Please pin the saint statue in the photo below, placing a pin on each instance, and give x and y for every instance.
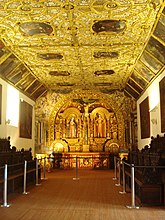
(99, 126)
(72, 130)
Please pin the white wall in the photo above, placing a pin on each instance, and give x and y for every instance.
(8, 130)
(154, 106)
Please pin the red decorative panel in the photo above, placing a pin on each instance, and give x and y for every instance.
(145, 119)
(25, 120)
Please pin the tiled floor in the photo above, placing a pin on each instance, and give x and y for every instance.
(94, 196)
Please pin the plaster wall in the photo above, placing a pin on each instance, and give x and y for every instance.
(8, 130)
(154, 107)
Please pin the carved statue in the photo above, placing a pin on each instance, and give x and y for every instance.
(72, 130)
(99, 126)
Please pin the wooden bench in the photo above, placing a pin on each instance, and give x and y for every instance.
(145, 194)
(16, 179)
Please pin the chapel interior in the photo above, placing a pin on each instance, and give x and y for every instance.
(86, 79)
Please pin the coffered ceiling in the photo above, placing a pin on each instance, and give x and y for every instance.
(97, 45)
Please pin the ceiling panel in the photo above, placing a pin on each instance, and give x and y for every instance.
(81, 44)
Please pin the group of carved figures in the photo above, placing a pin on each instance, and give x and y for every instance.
(99, 127)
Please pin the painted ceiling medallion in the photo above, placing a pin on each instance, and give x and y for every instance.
(105, 54)
(68, 7)
(33, 28)
(64, 84)
(59, 73)
(50, 56)
(25, 8)
(62, 91)
(108, 91)
(111, 5)
(109, 26)
(104, 72)
(103, 84)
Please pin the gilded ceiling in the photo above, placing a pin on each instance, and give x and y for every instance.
(97, 45)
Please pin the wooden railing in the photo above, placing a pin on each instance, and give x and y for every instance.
(144, 190)
(14, 178)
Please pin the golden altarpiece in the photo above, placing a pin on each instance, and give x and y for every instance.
(86, 129)
(86, 126)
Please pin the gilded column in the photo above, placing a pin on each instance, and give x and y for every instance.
(79, 128)
(108, 128)
(63, 128)
(92, 128)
